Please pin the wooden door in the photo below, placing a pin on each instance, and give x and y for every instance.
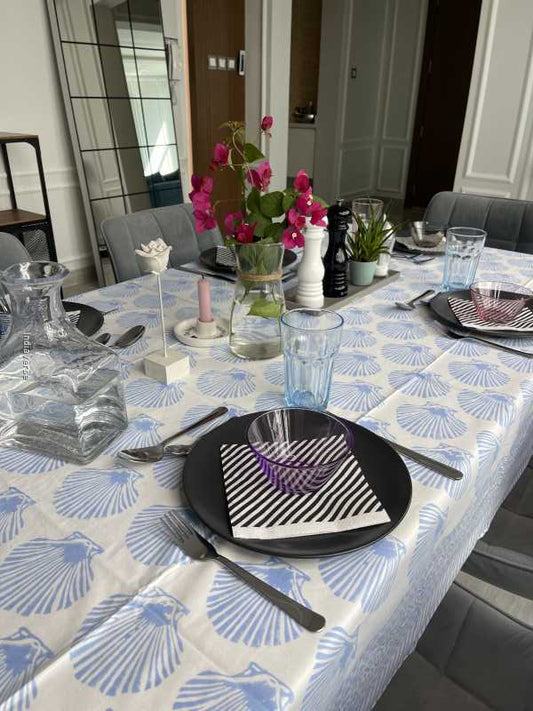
(449, 47)
(215, 29)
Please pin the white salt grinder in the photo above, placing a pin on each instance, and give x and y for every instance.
(309, 291)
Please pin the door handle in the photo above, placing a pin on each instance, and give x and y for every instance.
(242, 62)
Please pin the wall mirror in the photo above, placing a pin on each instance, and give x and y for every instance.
(113, 70)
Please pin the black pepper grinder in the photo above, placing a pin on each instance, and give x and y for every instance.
(335, 260)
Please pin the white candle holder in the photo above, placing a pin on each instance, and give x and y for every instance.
(202, 334)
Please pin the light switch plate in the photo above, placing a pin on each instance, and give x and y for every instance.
(222, 63)
(211, 61)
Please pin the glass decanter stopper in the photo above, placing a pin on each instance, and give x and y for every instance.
(61, 394)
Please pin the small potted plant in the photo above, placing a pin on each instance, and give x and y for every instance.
(365, 245)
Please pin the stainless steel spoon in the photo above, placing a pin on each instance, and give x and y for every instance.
(411, 304)
(157, 452)
(128, 338)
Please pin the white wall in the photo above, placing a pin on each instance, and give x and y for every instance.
(32, 103)
(365, 124)
(496, 156)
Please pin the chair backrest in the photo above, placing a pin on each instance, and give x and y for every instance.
(509, 223)
(12, 251)
(173, 224)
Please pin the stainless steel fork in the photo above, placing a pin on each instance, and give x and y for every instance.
(197, 548)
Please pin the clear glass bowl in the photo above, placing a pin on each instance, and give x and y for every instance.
(299, 449)
(498, 300)
(427, 234)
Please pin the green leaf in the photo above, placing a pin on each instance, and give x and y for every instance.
(321, 201)
(289, 198)
(265, 308)
(271, 204)
(273, 231)
(253, 201)
(252, 153)
(262, 223)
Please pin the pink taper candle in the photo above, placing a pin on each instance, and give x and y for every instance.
(204, 301)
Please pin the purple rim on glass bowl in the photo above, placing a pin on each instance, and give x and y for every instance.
(298, 449)
(498, 300)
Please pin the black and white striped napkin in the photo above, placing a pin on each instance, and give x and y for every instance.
(225, 257)
(466, 314)
(257, 509)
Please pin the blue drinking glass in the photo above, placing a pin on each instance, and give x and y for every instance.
(463, 252)
(310, 339)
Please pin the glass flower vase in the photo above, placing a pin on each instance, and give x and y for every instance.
(258, 301)
(61, 393)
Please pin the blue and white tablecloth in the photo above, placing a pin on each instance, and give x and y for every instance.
(98, 609)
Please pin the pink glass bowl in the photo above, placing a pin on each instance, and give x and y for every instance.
(499, 301)
(298, 449)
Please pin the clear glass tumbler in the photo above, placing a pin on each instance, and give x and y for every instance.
(367, 208)
(310, 340)
(463, 251)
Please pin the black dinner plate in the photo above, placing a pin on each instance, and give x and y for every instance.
(208, 258)
(90, 320)
(441, 310)
(383, 468)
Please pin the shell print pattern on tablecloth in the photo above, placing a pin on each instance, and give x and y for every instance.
(431, 520)
(492, 406)
(253, 688)
(150, 319)
(44, 575)
(21, 655)
(357, 339)
(422, 384)
(129, 644)
(97, 493)
(408, 354)
(336, 651)
(141, 432)
(168, 472)
(149, 541)
(526, 387)
(146, 392)
(516, 362)
(393, 313)
(270, 401)
(478, 373)
(196, 412)
(430, 420)
(356, 317)
(354, 364)
(462, 347)
(226, 383)
(151, 301)
(274, 374)
(376, 426)
(13, 503)
(368, 574)
(403, 331)
(16, 460)
(355, 397)
(455, 457)
(241, 615)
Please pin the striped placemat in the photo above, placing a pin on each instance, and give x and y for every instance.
(257, 509)
(466, 314)
(225, 257)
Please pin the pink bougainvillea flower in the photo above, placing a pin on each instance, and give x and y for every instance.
(318, 212)
(295, 219)
(301, 181)
(245, 232)
(202, 183)
(204, 220)
(304, 203)
(230, 220)
(220, 156)
(292, 237)
(266, 124)
(201, 201)
(260, 177)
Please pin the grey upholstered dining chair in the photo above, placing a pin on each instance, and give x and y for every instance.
(504, 556)
(12, 251)
(472, 657)
(174, 224)
(509, 223)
